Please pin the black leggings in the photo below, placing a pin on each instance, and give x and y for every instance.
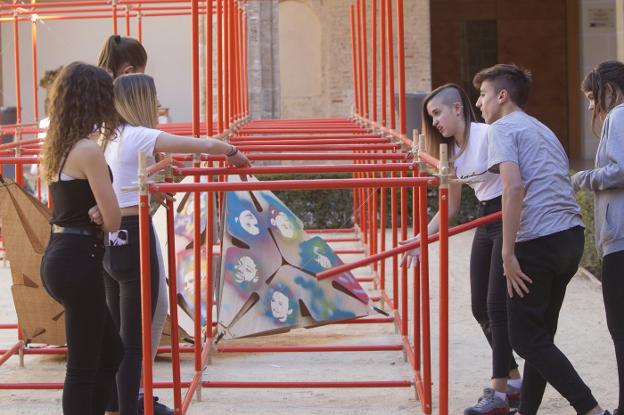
(71, 271)
(613, 293)
(123, 294)
(488, 290)
(550, 261)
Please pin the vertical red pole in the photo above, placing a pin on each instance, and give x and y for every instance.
(374, 226)
(209, 87)
(245, 67)
(395, 242)
(196, 195)
(195, 68)
(226, 60)
(209, 261)
(219, 66)
(173, 309)
(19, 168)
(241, 70)
(114, 16)
(374, 54)
(360, 58)
(401, 63)
(127, 20)
(146, 306)
(233, 68)
(356, 98)
(139, 24)
(444, 316)
(383, 57)
(235, 62)
(392, 114)
(416, 280)
(404, 288)
(35, 85)
(197, 271)
(365, 57)
(34, 68)
(424, 284)
(382, 240)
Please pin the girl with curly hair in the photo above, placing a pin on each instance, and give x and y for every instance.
(81, 112)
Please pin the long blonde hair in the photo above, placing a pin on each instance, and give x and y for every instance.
(135, 100)
(81, 103)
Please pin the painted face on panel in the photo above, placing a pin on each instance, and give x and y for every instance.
(446, 118)
(284, 225)
(280, 308)
(488, 102)
(249, 222)
(245, 270)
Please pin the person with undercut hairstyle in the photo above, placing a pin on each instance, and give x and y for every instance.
(449, 118)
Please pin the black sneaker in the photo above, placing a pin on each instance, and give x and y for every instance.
(159, 408)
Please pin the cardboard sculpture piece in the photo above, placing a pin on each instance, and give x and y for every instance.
(268, 273)
(26, 230)
(184, 250)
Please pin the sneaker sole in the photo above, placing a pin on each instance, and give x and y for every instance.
(498, 411)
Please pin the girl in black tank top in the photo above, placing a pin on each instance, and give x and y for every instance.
(71, 268)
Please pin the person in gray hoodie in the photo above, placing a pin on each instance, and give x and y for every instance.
(604, 89)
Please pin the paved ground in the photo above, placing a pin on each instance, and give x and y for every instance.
(582, 335)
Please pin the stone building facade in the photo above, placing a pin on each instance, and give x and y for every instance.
(300, 56)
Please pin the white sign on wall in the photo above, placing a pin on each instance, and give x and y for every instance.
(601, 17)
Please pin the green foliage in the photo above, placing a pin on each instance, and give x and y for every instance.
(319, 208)
(590, 261)
(333, 208)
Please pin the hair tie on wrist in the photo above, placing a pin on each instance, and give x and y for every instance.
(232, 152)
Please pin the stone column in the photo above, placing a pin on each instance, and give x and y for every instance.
(263, 59)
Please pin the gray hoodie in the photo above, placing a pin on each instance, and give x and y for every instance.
(607, 183)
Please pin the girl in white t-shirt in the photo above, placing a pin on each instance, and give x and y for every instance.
(136, 103)
(449, 118)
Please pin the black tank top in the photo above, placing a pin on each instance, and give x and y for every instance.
(71, 201)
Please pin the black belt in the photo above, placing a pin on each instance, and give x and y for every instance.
(496, 201)
(77, 231)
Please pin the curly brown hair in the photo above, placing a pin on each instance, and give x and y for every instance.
(81, 102)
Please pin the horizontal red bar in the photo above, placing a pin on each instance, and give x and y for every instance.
(292, 185)
(302, 385)
(301, 169)
(318, 147)
(297, 349)
(403, 248)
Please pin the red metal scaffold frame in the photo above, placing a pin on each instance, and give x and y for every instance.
(366, 140)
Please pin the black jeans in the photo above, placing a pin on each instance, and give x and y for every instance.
(488, 289)
(71, 271)
(123, 295)
(551, 262)
(613, 294)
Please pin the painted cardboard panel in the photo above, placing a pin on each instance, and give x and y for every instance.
(184, 251)
(268, 273)
(26, 230)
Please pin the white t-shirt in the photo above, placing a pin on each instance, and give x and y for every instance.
(122, 155)
(471, 167)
